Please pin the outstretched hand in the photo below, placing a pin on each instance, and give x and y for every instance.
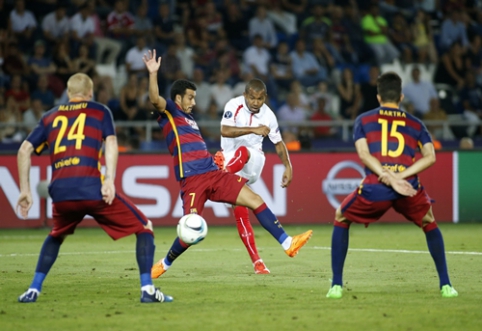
(151, 62)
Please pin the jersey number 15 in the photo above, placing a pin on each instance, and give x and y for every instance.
(393, 133)
(76, 132)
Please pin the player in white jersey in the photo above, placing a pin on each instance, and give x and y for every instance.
(246, 121)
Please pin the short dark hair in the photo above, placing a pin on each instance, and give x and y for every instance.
(389, 86)
(180, 86)
(256, 85)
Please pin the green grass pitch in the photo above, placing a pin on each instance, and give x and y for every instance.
(390, 283)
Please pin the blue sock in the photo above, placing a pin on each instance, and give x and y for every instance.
(48, 255)
(269, 221)
(435, 243)
(339, 248)
(145, 256)
(177, 248)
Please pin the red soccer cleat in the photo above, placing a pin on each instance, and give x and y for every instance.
(219, 160)
(260, 268)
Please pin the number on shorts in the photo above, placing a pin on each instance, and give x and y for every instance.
(193, 196)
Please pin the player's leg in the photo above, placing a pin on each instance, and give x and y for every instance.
(269, 221)
(250, 171)
(234, 163)
(65, 219)
(241, 157)
(193, 195)
(436, 247)
(354, 208)
(418, 209)
(339, 249)
(246, 233)
(122, 218)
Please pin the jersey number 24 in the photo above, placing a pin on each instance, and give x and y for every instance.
(76, 132)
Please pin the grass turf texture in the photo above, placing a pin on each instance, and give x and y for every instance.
(94, 284)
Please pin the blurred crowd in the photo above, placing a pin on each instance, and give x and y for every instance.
(320, 59)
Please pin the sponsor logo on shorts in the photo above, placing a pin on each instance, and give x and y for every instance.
(332, 186)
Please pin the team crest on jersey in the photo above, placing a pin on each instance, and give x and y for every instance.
(228, 114)
(192, 123)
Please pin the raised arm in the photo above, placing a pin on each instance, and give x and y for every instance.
(153, 66)
(282, 152)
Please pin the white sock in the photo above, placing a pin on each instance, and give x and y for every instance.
(287, 243)
(148, 288)
(166, 266)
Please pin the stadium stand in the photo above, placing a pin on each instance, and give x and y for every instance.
(212, 36)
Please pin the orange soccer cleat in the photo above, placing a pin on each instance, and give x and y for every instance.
(260, 268)
(158, 269)
(219, 159)
(297, 242)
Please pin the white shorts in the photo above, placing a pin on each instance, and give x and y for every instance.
(253, 168)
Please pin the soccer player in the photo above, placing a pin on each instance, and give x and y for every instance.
(199, 178)
(74, 133)
(245, 123)
(386, 139)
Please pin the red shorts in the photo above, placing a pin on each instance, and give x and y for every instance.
(218, 186)
(120, 219)
(358, 209)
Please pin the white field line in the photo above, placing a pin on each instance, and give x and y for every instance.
(369, 250)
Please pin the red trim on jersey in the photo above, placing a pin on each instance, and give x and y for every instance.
(402, 159)
(70, 151)
(251, 119)
(192, 156)
(236, 112)
(189, 138)
(75, 171)
(375, 137)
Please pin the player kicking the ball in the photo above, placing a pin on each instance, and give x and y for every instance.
(198, 176)
(386, 140)
(246, 121)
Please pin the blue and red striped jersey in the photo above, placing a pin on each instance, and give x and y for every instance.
(74, 134)
(189, 151)
(393, 137)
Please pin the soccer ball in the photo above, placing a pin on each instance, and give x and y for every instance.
(192, 229)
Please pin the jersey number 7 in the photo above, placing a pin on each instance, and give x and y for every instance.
(393, 133)
(76, 132)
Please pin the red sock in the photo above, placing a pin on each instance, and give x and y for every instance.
(238, 161)
(245, 231)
